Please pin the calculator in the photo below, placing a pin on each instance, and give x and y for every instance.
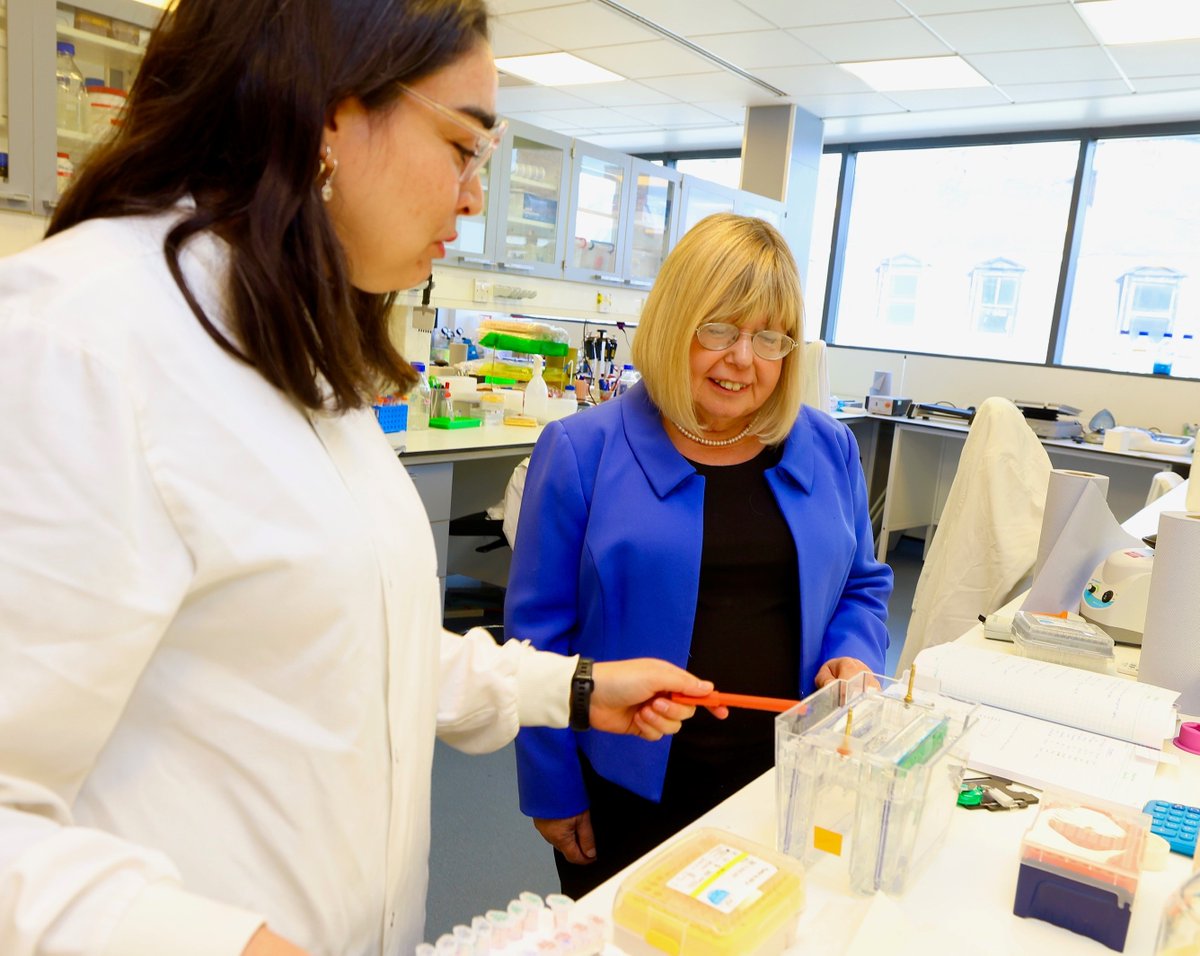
(1176, 823)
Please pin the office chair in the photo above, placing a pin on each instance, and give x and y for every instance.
(987, 538)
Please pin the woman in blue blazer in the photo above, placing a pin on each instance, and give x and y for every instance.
(704, 517)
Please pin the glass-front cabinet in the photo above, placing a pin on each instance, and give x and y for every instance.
(702, 198)
(16, 112)
(654, 201)
(472, 248)
(85, 57)
(760, 207)
(532, 192)
(599, 192)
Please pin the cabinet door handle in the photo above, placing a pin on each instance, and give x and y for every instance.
(16, 197)
(475, 261)
(516, 267)
(50, 204)
(640, 283)
(603, 278)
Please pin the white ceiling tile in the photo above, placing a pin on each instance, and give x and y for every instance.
(877, 40)
(679, 140)
(1160, 84)
(656, 58)
(1044, 92)
(711, 86)
(808, 13)
(848, 104)
(552, 121)
(594, 117)
(759, 48)
(509, 42)
(1019, 28)
(726, 110)
(1074, 64)
(520, 99)
(925, 7)
(698, 16)
(625, 93)
(814, 80)
(673, 115)
(578, 25)
(1157, 59)
(949, 99)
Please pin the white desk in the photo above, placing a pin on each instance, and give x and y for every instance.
(962, 902)
(925, 456)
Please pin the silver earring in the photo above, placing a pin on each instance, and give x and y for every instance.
(328, 169)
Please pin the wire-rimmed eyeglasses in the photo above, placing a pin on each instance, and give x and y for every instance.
(486, 141)
(767, 343)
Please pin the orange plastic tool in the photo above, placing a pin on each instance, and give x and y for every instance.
(746, 701)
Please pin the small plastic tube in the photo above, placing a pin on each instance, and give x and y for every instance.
(465, 937)
(518, 914)
(426, 949)
(483, 935)
(447, 945)
(534, 905)
(561, 907)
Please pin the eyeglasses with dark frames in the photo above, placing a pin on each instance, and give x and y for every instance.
(767, 343)
(486, 141)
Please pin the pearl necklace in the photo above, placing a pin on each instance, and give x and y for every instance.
(713, 442)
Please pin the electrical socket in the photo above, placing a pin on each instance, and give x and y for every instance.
(483, 290)
(603, 301)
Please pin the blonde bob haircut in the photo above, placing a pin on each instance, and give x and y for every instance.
(726, 268)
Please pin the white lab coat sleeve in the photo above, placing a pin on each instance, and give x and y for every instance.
(91, 571)
(489, 691)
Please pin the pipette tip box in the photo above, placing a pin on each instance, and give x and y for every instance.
(879, 797)
(710, 893)
(1080, 862)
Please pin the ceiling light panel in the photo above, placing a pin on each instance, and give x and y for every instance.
(556, 69)
(925, 73)
(1142, 21)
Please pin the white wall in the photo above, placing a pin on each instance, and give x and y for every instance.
(1134, 399)
(19, 230)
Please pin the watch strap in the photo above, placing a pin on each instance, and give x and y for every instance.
(582, 684)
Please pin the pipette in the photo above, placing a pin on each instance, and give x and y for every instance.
(745, 701)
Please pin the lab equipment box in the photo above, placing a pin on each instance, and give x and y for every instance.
(869, 777)
(1080, 862)
(710, 893)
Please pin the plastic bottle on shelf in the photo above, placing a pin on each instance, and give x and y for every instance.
(1164, 355)
(420, 401)
(65, 171)
(1185, 357)
(537, 395)
(629, 378)
(71, 112)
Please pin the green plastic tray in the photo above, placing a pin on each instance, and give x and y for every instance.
(519, 343)
(454, 423)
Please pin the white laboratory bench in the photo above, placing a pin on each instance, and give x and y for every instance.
(962, 902)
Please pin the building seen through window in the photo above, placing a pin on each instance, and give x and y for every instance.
(995, 291)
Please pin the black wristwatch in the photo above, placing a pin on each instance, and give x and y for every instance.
(582, 685)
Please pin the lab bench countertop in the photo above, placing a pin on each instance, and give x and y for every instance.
(441, 444)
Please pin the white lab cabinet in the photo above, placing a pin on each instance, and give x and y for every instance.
(653, 216)
(702, 198)
(529, 226)
(109, 37)
(598, 216)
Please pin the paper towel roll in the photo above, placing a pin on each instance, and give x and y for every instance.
(1192, 502)
(1171, 642)
(1062, 494)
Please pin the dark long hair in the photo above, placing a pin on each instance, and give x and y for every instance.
(229, 108)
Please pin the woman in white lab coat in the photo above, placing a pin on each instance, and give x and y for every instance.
(220, 640)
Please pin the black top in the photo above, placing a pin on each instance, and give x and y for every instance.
(746, 635)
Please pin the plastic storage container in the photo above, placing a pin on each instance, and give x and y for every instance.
(1164, 355)
(1075, 643)
(392, 418)
(1080, 864)
(710, 893)
(71, 103)
(880, 797)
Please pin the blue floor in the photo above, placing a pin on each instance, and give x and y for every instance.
(485, 852)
